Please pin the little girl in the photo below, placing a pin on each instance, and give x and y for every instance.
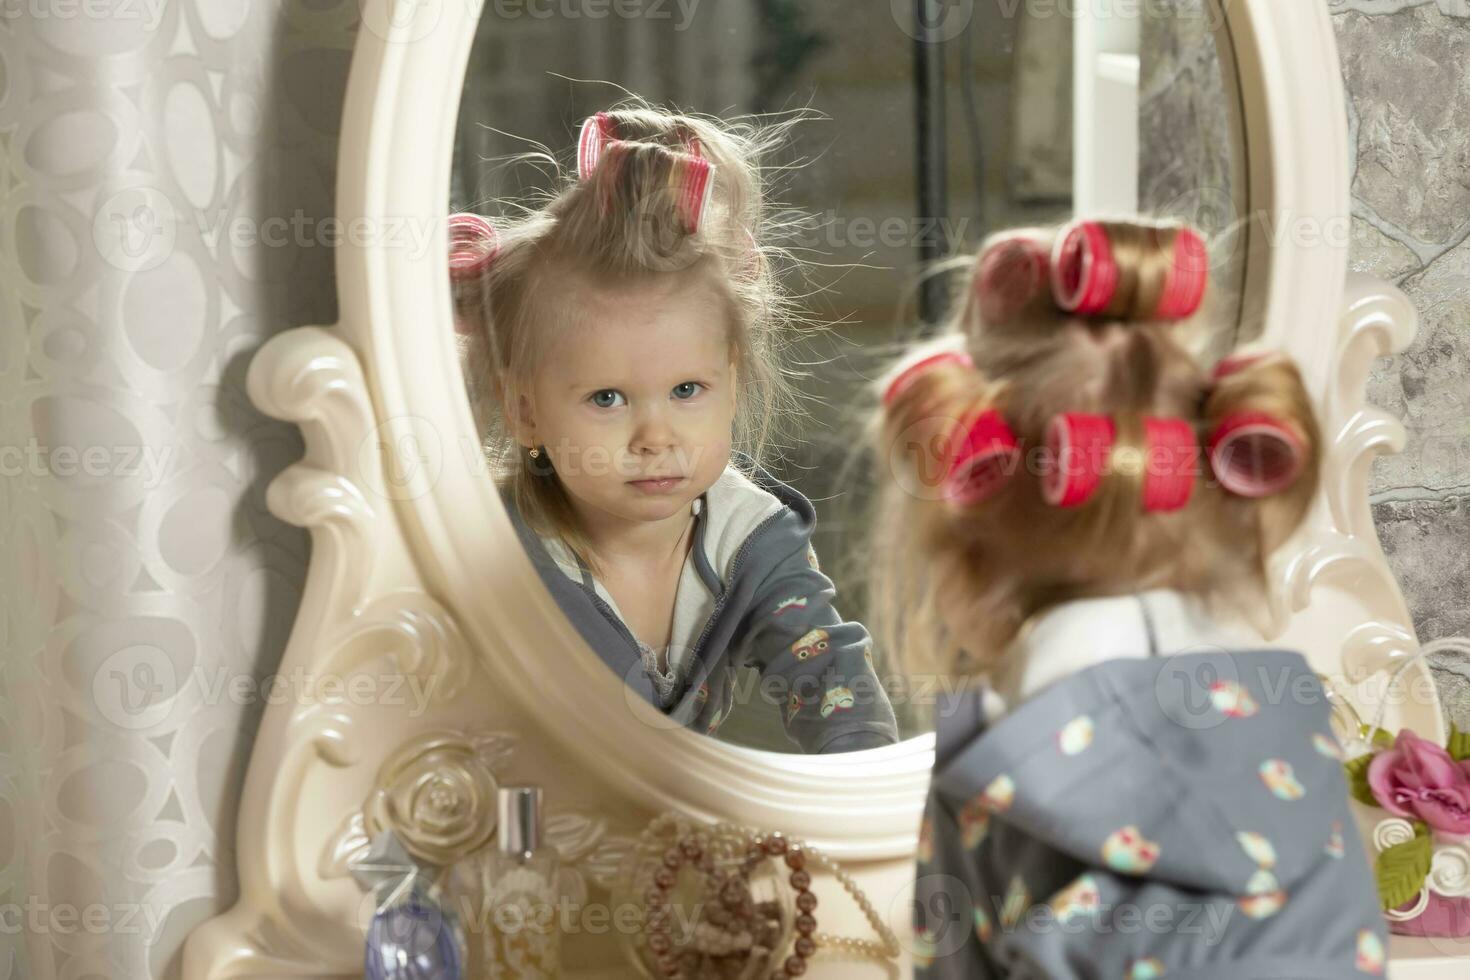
(621, 341)
(1138, 786)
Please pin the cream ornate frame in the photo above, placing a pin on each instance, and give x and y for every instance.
(416, 570)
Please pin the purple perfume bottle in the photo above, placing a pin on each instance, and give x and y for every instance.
(412, 938)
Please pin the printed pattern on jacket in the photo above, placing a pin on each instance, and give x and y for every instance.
(775, 613)
(1181, 816)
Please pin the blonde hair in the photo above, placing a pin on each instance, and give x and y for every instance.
(627, 224)
(952, 585)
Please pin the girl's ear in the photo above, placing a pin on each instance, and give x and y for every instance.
(734, 386)
(523, 420)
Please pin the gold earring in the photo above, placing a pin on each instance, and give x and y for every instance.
(535, 453)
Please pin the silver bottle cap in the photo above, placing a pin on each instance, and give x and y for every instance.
(520, 819)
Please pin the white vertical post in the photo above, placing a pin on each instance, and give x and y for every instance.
(1105, 103)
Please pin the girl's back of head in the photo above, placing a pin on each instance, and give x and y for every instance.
(1067, 444)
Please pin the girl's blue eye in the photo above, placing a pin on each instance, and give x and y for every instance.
(692, 386)
(597, 398)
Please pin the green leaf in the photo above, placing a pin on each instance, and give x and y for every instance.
(1401, 869)
(1459, 744)
(1381, 738)
(1357, 778)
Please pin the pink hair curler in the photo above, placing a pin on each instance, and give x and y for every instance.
(908, 375)
(611, 159)
(690, 179)
(1085, 275)
(984, 461)
(1009, 274)
(1168, 480)
(597, 131)
(473, 245)
(601, 129)
(1077, 446)
(1239, 361)
(1184, 289)
(696, 185)
(1255, 455)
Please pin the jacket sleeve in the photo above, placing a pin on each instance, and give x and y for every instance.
(816, 669)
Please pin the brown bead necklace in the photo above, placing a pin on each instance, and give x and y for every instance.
(737, 933)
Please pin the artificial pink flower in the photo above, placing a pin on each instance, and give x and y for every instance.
(1418, 780)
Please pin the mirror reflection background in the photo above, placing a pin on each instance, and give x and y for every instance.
(1008, 143)
(1192, 160)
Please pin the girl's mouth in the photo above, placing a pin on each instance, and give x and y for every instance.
(662, 485)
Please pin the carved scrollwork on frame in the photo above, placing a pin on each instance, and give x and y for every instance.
(1377, 321)
(1373, 630)
(363, 606)
(437, 793)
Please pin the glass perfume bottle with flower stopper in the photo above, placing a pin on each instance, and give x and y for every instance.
(521, 931)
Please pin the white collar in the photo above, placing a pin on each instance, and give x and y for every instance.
(1078, 633)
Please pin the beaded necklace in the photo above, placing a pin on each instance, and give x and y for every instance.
(738, 936)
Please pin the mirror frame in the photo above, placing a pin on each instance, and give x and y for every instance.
(398, 571)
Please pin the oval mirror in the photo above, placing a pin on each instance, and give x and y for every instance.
(914, 139)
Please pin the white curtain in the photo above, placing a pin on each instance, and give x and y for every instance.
(168, 169)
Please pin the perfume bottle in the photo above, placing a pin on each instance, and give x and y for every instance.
(522, 931)
(412, 938)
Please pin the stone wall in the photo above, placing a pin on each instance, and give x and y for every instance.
(1409, 112)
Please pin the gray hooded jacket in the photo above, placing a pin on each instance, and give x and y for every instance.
(773, 612)
(1179, 816)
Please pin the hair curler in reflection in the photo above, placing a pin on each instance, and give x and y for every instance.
(473, 245)
(597, 131)
(600, 129)
(696, 185)
(686, 181)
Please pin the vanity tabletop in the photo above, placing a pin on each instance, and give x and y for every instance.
(1415, 958)
(1410, 958)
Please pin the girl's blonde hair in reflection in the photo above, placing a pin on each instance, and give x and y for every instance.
(626, 224)
(952, 586)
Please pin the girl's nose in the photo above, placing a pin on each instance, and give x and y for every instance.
(654, 431)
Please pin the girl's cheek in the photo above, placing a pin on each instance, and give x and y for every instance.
(600, 418)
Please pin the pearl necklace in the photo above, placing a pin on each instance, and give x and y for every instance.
(736, 931)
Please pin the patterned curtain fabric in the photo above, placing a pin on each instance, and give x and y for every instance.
(168, 166)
